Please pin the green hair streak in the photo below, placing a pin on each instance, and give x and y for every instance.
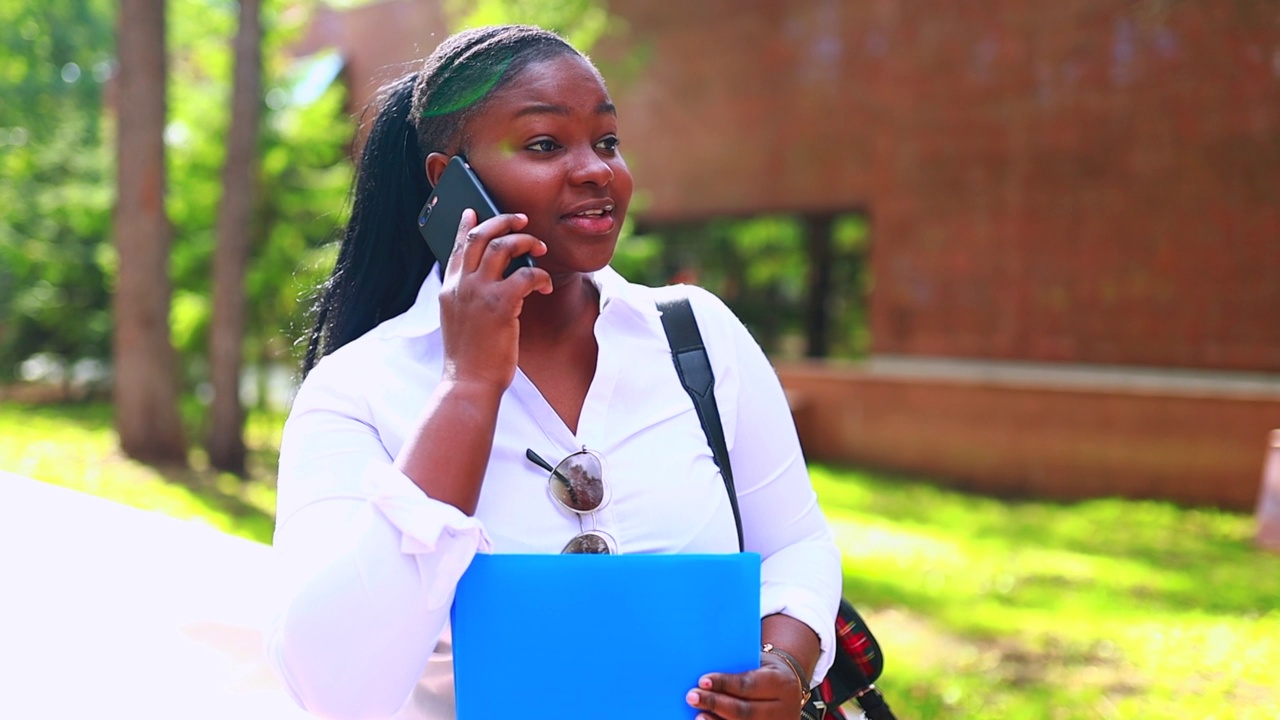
(471, 93)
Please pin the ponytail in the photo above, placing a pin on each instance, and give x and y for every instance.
(382, 260)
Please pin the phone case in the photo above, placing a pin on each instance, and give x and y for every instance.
(458, 189)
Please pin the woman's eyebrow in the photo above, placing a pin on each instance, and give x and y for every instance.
(604, 108)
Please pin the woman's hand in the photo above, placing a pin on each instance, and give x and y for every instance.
(771, 692)
(479, 309)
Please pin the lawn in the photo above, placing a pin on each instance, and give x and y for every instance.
(985, 608)
(75, 447)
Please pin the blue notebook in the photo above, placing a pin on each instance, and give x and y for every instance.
(583, 637)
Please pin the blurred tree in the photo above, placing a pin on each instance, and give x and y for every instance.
(145, 365)
(55, 200)
(58, 267)
(225, 443)
(819, 251)
(302, 177)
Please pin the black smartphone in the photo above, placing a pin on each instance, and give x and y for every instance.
(458, 189)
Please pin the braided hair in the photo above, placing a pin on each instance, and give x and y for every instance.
(382, 260)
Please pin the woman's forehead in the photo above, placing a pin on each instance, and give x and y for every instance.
(562, 80)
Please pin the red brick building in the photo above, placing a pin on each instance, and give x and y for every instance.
(1075, 210)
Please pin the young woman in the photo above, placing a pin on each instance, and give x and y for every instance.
(405, 451)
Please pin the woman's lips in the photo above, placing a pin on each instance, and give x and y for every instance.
(593, 221)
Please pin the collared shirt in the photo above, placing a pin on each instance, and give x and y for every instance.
(368, 563)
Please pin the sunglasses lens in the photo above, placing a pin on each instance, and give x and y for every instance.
(588, 544)
(578, 483)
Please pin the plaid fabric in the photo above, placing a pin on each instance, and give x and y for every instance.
(857, 664)
(855, 640)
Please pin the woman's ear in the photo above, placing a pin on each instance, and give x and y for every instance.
(436, 163)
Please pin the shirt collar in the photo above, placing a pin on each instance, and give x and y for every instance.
(423, 317)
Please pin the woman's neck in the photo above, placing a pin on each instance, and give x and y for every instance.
(558, 350)
(559, 316)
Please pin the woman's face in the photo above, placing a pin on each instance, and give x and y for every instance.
(546, 145)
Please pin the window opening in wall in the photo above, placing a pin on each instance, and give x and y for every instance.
(800, 282)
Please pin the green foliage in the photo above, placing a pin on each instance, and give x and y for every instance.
(759, 266)
(304, 176)
(57, 263)
(57, 53)
(581, 22)
(55, 201)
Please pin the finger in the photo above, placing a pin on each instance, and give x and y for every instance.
(465, 225)
(502, 250)
(475, 237)
(528, 280)
(722, 707)
(759, 684)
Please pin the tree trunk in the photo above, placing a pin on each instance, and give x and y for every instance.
(818, 237)
(235, 226)
(145, 364)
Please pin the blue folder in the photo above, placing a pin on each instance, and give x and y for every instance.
(585, 637)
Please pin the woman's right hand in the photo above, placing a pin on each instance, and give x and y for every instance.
(480, 309)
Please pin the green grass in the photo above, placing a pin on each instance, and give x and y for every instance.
(1100, 609)
(74, 446)
(985, 608)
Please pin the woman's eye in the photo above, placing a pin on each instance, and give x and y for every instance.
(609, 144)
(543, 145)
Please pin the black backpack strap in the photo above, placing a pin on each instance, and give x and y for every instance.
(694, 368)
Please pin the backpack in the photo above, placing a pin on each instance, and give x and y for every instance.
(858, 661)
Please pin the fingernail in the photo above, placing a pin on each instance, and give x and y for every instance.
(705, 683)
(692, 698)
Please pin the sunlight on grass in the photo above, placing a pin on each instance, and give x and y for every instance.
(1105, 608)
(75, 447)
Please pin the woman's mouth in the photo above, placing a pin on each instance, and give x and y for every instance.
(593, 221)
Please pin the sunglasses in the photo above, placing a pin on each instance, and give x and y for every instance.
(577, 485)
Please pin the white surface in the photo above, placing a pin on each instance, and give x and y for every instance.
(108, 611)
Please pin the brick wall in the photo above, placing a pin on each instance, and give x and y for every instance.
(1082, 181)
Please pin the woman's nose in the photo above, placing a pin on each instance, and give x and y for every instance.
(590, 169)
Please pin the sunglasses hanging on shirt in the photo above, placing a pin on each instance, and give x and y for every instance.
(577, 485)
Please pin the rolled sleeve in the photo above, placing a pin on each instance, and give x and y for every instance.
(796, 598)
(427, 527)
(367, 563)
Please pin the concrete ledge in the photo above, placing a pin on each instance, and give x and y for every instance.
(1061, 376)
(1066, 432)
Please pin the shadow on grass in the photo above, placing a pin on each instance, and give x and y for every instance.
(242, 506)
(224, 495)
(968, 673)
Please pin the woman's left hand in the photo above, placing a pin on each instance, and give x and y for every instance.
(768, 693)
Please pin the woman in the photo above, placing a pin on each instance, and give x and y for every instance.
(405, 451)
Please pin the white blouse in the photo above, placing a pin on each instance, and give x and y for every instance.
(368, 563)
